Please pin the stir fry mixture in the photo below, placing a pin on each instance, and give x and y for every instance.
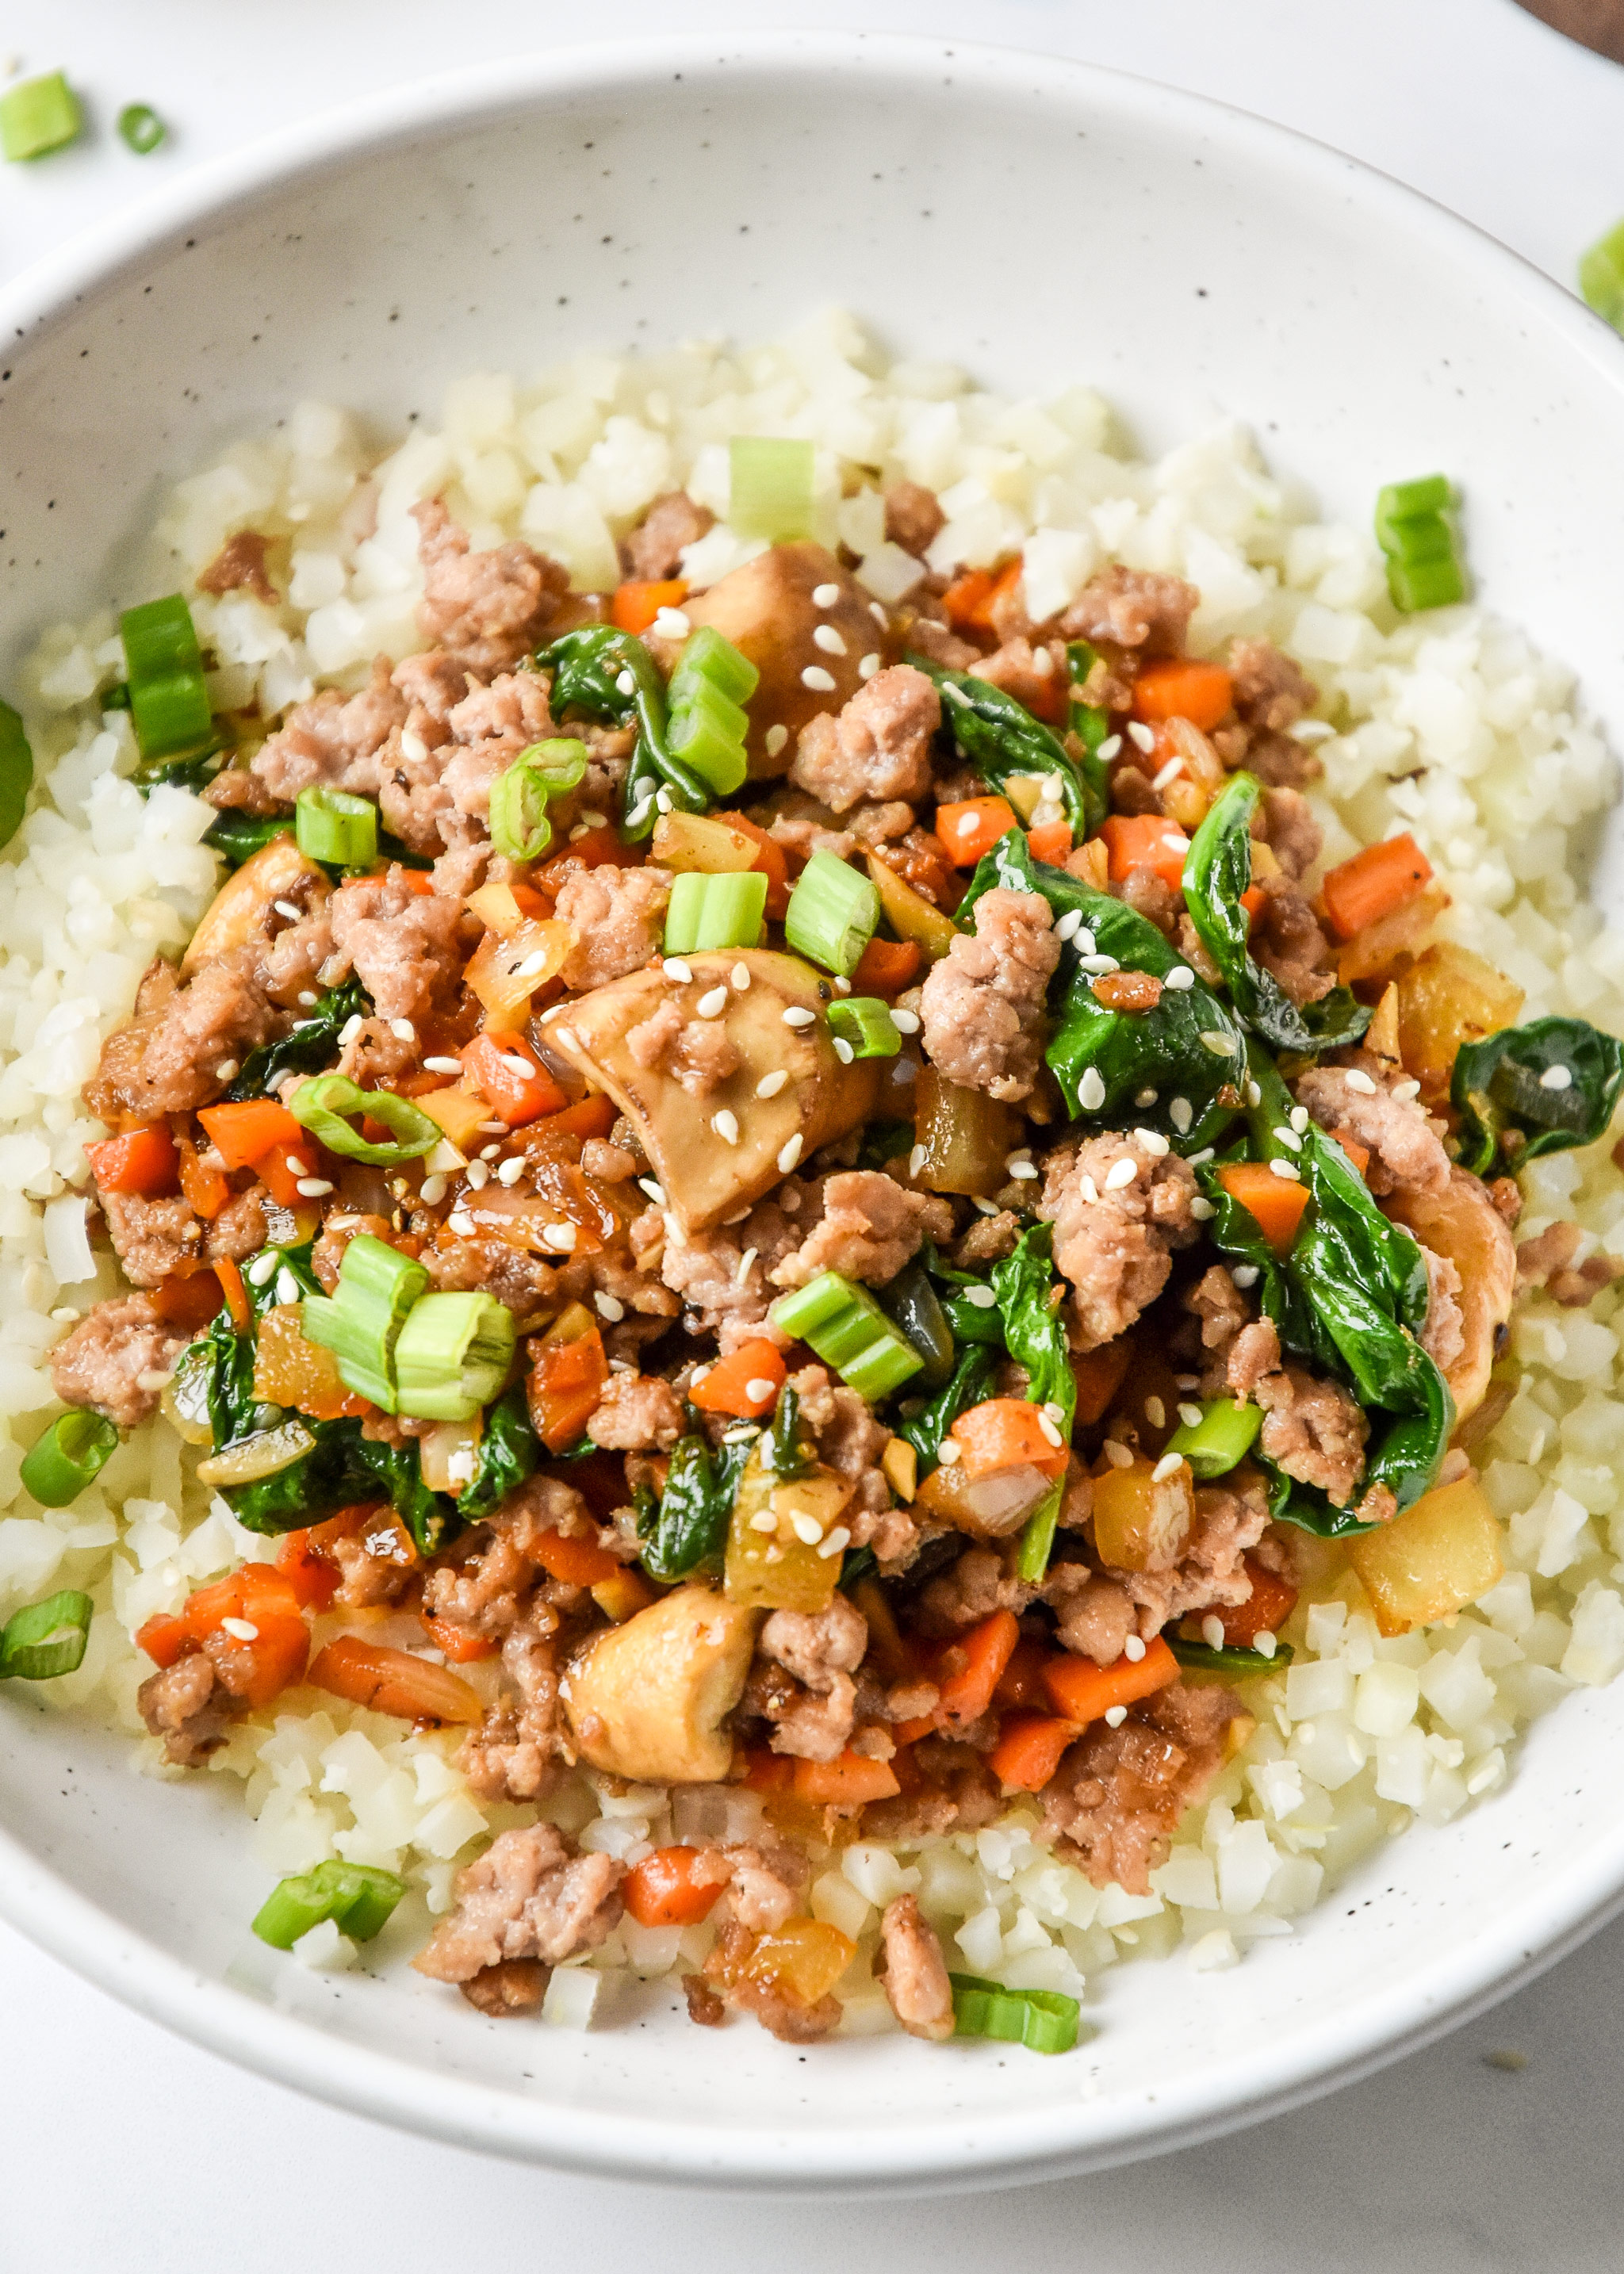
(826, 1196)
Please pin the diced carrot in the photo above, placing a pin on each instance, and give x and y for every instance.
(770, 861)
(1277, 1202)
(1146, 840)
(971, 598)
(206, 1189)
(189, 1299)
(1029, 1749)
(566, 1383)
(1005, 1433)
(766, 1770)
(1374, 882)
(1252, 898)
(1099, 1375)
(312, 1576)
(887, 966)
(588, 1117)
(164, 1638)
(1020, 1682)
(281, 1169)
(1051, 842)
(1359, 1154)
(142, 1161)
(491, 1062)
(579, 1562)
(599, 848)
(272, 1661)
(1266, 1610)
(851, 1781)
(235, 1294)
(674, 1887)
(1183, 688)
(971, 1669)
(639, 600)
(253, 1666)
(459, 1645)
(243, 1134)
(1083, 1691)
(972, 826)
(394, 1681)
(746, 1382)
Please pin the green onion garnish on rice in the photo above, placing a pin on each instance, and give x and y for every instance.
(770, 487)
(714, 911)
(16, 772)
(47, 1639)
(1418, 539)
(40, 115)
(1043, 2021)
(169, 695)
(359, 1898)
(832, 914)
(70, 1454)
(337, 826)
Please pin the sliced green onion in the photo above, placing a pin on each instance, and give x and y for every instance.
(1202, 1659)
(39, 116)
(865, 1023)
(1400, 500)
(708, 911)
(169, 695)
(710, 656)
(1425, 537)
(832, 914)
(452, 1356)
(357, 1897)
(141, 128)
(336, 826)
(560, 762)
(770, 487)
(16, 772)
(323, 1106)
(708, 727)
(1224, 1435)
(520, 830)
(849, 1331)
(47, 1639)
(1043, 2021)
(1038, 1535)
(361, 1325)
(1427, 584)
(1424, 566)
(70, 1454)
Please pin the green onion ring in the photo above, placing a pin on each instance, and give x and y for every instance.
(73, 1451)
(322, 1106)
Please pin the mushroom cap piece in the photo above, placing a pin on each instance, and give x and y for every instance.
(646, 1700)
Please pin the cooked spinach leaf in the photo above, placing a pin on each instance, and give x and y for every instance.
(1000, 738)
(239, 836)
(343, 1468)
(912, 1303)
(1189, 1046)
(1217, 871)
(607, 675)
(1030, 1299)
(686, 1530)
(508, 1452)
(1533, 1089)
(310, 1046)
(972, 1381)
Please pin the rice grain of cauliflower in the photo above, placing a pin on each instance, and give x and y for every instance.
(1447, 726)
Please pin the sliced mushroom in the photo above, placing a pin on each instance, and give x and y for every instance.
(767, 610)
(716, 1153)
(1462, 1224)
(646, 1700)
(244, 908)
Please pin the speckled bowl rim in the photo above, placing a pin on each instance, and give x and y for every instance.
(1029, 2143)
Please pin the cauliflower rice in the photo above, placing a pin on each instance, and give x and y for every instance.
(1449, 725)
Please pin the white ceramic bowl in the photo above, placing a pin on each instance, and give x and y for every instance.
(1041, 222)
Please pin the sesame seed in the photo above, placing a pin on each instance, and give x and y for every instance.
(1091, 1091)
(432, 1191)
(740, 977)
(226, 1068)
(1155, 1413)
(1213, 1631)
(153, 1378)
(726, 1126)
(906, 1022)
(640, 812)
(515, 1064)
(1289, 1138)
(579, 831)
(1141, 736)
(241, 1629)
(295, 1166)
(828, 639)
(1114, 1716)
(286, 908)
(1122, 1173)
(1050, 1432)
(626, 684)
(1175, 841)
(349, 1029)
(488, 1152)
(1111, 748)
(1099, 965)
(403, 1031)
(1245, 1275)
(1170, 1465)
(1405, 1090)
(1180, 1113)
(1024, 1172)
(1191, 1416)
(442, 1066)
(878, 614)
(744, 1263)
(263, 1268)
(1221, 1045)
(1089, 1189)
(511, 1172)
(770, 1084)
(955, 694)
(1145, 1098)
(671, 623)
(1264, 1643)
(1119, 1455)
(1557, 1077)
(988, 1208)
(1299, 1118)
(662, 801)
(796, 1015)
(1201, 1209)
(462, 1224)
(1358, 1080)
(713, 1005)
(1173, 766)
(776, 737)
(680, 973)
(1133, 1650)
(656, 1193)
(532, 966)
(824, 596)
(1153, 1142)
(837, 1541)
(916, 1159)
(1287, 1170)
(790, 1154)
(949, 1452)
(1199, 1160)
(844, 1050)
(1187, 1381)
(868, 666)
(759, 1390)
(479, 1176)
(980, 1298)
(764, 1520)
(561, 1236)
(841, 986)
(1066, 928)
(1254, 1096)
(1180, 978)
(819, 681)
(744, 1436)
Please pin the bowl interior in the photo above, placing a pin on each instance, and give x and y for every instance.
(1042, 224)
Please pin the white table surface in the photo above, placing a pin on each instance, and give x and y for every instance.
(126, 2151)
